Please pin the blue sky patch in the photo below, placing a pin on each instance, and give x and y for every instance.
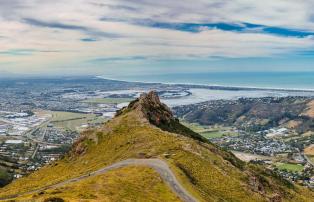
(88, 39)
(233, 27)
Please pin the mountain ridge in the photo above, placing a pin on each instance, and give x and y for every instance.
(146, 129)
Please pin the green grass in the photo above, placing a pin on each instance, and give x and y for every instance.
(212, 134)
(208, 132)
(107, 100)
(290, 167)
(195, 126)
(217, 134)
(72, 121)
(64, 116)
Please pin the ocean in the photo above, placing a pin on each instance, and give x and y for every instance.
(273, 80)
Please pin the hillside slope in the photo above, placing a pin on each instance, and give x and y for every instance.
(253, 114)
(146, 129)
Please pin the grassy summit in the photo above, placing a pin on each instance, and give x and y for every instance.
(147, 129)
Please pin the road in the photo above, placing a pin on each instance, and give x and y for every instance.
(158, 165)
(38, 145)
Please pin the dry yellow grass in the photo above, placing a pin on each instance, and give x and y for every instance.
(293, 124)
(309, 150)
(207, 172)
(132, 183)
(309, 110)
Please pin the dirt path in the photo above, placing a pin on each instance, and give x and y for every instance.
(160, 166)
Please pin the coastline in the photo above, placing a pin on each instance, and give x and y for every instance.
(217, 87)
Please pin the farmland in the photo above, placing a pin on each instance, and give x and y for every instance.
(107, 100)
(290, 167)
(73, 121)
(210, 132)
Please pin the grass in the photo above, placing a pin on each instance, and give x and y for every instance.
(311, 158)
(212, 134)
(64, 116)
(210, 176)
(290, 167)
(216, 134)
(107, 100)
(195, 126)
(309, 150)
(208, 132)
(133, 183)
(72, 121)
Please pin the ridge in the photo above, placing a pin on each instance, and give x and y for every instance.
(159, 114)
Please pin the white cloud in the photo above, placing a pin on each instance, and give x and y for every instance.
(55, 38)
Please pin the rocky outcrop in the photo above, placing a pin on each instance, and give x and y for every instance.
(153, 110)
(158, 114)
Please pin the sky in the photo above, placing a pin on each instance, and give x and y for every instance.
(114, 37)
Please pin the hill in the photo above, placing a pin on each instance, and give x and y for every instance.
(111, 163)
(253, 114)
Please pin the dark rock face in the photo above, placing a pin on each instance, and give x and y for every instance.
(158, 114)
(256, 185)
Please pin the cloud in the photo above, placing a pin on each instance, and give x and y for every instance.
(58, 33)
(199, 27)
(17, 52)
(279, 13)
(25, 52)
(57, 25)
(53, 24)
(117, 59)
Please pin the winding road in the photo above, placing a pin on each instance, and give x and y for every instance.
(160, 166)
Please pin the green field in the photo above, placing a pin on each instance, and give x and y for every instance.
(212, 134)
(72, 121)
(107, 100)
(290, 167)
(208, 132)
(64, 116)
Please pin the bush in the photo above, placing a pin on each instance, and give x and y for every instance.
(5, 177)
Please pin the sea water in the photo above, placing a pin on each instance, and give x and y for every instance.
(273, 80)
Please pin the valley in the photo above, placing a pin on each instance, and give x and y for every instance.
(277, 132)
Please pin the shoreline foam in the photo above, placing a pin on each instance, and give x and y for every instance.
(231, 88)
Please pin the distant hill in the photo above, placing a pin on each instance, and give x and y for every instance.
(146, 131)
(253, 114)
